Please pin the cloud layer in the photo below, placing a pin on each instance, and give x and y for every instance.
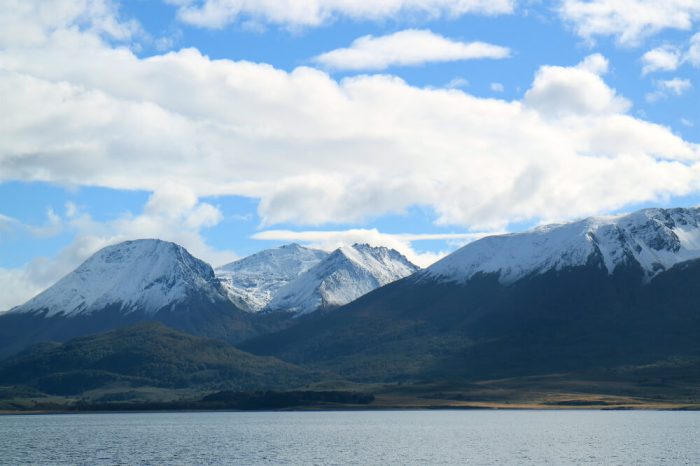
(315, 150)
(410, 47)
(629, 21)
(307, 13)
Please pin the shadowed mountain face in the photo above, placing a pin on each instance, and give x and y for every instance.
(147, 354)
(574, 303)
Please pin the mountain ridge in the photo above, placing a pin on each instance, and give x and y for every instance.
(251, 282)
(343, 276)
(146, 276)
(656, 239)
(461, 319)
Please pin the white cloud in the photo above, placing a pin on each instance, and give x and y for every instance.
(497, 87)
(18, 286)
(671, 57)
(693, 54)
(596, 64)
(33, 23)
(628, 20)
(661, 59)
(410, 47)
(10, 226)
(330, 240)
(314, 150)
(560, 91)
(307, 13)
(675, 86)
(456, 83)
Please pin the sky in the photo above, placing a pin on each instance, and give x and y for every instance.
(232, 126)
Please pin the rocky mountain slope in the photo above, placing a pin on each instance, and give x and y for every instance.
(252, 282)
(346, 274)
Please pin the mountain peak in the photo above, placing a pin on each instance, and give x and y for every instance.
(346, 274)
(144, 275)
(653, 239)
(251, 282)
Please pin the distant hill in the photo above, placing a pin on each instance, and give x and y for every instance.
(147, 354)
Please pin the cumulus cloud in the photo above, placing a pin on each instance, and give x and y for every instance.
(410, 47)
(560, 91)
(308, 13)
(403, 243)
(79, 110)
(661, 59)
(33, 23)
(671, 57)
(629, 21)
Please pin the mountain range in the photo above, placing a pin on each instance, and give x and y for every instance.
(153, 280)
(301, 280)
(596, 296)
(595, 293)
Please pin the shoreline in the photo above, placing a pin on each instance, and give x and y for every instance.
(473, 407)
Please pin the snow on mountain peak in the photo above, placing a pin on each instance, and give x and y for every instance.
(346, 274)
(252, 282)
(142, 275)
(655, 239)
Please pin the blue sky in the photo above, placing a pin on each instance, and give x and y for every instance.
(222, 125)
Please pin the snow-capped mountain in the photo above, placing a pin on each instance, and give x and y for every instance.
(144, 276)
(653, 239)
(346, 274)
(598, 293)
(252, 282)
(124, 284)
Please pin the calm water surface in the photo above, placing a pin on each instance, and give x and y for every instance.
(384, 437)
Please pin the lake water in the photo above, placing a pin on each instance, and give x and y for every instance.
(377, 437)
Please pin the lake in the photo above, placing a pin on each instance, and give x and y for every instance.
(356, 437)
